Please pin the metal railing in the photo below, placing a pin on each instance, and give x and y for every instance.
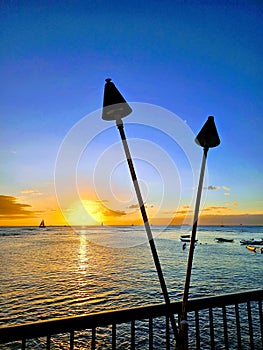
(230, 321)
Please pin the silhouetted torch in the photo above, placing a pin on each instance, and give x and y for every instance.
(115, 108)
(207, 138)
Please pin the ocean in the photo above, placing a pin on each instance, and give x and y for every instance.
(62, 271)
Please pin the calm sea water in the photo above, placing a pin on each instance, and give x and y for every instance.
(58, 271)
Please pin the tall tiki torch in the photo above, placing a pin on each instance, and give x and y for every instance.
(115, 108)
(207, 138)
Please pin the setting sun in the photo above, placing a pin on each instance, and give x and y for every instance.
(85, 212)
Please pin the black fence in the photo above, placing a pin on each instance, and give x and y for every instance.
(230, 321)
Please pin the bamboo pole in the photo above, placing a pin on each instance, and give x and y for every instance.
(148, 230)
(207, 138)
(116, 108)
(183, 323)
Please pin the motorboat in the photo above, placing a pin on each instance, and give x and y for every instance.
(251, 241)
(220, 240)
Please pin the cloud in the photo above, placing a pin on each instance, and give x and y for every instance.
(215, 208)
(10, 209)
(28, 191)
(134, 206)
(213, 188)
(216, 188)
(102, 201)
(105, 211)
(113, 213)
(184, 209)
(96, 208)
(235, 204)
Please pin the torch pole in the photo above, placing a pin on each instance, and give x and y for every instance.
(183, 326)
(119, 124)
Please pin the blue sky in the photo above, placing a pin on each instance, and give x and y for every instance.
(194, 58)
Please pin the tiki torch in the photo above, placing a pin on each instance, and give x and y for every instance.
(207, 138)
(115, 108)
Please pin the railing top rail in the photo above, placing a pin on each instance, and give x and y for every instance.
(224, 300)
(67, 324)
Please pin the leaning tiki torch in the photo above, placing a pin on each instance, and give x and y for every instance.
(115, 108)
(207, 138)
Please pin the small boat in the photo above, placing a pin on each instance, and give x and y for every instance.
(220, 239)
(42, 224)
(186, 239)
(252, 249)
(251, 241)
(185, 236)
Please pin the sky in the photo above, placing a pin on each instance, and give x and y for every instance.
(60, 161)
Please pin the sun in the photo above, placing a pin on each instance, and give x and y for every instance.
(84, 212)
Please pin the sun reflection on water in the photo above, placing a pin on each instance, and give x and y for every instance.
(83, 254)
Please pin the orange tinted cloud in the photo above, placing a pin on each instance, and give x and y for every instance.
(10, 209)
(215, 208)
(134, 206)
(29, 191)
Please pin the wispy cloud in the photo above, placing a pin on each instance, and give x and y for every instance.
(184, 209)
(102, 201)
(215, 209)
(213, 188)
(104, 210)
(134, 206)
(113, 213)
(31, 191)
(216, 188)
(10, 209)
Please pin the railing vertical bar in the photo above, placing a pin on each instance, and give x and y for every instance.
(113, 339)
(23, 344)
(179, 317)
(249, 316)
(238, 327)
(71, 340)
(261, 320)
(197, 330)
(93, 338)
(48, 342)
(167, 331)
(132, 335)
(150, 333)
(225, 328)
(211, 322)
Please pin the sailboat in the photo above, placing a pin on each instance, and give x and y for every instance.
(42, 224)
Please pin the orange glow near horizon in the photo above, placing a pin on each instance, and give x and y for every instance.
(95, 212)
